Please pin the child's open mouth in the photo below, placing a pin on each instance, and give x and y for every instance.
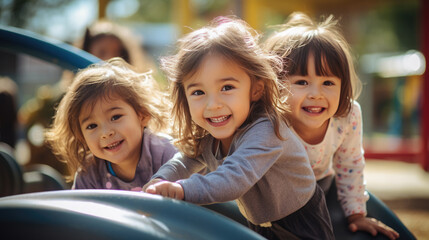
(314, 109)
(218, 119)
(114, 145)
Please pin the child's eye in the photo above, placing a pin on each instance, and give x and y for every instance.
(91, 126)
(301, 82)
(227, 88)
(197, 92)
(116, 117)
(328, 83)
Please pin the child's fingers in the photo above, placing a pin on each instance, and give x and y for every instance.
(151, 182)
(173, 191)
(373, 226)
(166, 189)
(353, 227)
(162, 189)
(151, 189)
(390, 234)
(386, 230)
(363, 227)
(363, 224)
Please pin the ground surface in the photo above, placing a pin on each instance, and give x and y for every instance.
(404, 187)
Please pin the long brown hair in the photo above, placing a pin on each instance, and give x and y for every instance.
(233, 39)
(105, 80)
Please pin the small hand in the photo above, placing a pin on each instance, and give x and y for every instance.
(357, 222)
(166, 189)
(151, 182)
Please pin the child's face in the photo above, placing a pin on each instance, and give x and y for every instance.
(314, 100)
(219, 97)
(106, 48)
(112, 130)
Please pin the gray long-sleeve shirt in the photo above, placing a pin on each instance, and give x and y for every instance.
(270, 178)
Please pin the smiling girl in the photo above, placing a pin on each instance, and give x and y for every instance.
(232, 126)
(103, 128)
(324, 114)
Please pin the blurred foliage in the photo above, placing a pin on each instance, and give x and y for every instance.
(161, 11)
(22, 13)
(208, 7)
(153, 11)
(390, 28)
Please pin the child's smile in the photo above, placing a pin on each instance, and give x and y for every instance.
(114, 146)
(218, 121)
(314, 109)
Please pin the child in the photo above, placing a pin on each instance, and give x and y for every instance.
(232, 126)
(323, 83)
(103, 128)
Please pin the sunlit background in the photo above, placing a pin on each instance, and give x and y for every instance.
(385, 35)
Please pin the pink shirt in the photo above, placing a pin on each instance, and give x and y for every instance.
(341, 153)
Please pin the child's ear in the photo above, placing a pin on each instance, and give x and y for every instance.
(144, 119)
(257, 91)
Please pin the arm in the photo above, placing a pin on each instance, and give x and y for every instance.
(349, 164)
(162, 182)
(179, 167)
(253, 153)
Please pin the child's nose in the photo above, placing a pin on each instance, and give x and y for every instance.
(107, 132)
(213, 102)
(315, 92)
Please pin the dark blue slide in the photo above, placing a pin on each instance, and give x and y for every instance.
(111, 214)
(18, 40)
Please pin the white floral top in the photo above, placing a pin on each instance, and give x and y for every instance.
(341, 153)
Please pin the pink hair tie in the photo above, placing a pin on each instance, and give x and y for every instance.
(221, 20)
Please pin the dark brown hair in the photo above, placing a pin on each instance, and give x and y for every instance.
(299, 37)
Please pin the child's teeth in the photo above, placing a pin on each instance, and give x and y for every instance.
(219, 119)
(113, 145)
(314, 109)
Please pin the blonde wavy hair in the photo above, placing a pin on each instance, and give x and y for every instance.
(235, 40)
(104, 80)
(301, 36)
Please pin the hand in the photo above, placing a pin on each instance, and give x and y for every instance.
(357, 222)
(151, 182)
(166, 189)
